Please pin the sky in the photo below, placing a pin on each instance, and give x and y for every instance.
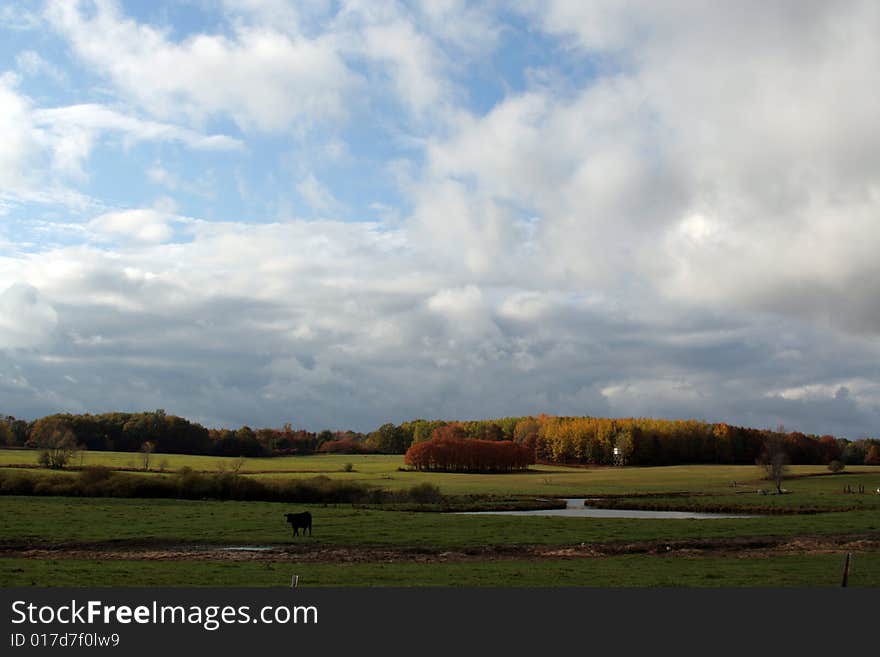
(344, 213)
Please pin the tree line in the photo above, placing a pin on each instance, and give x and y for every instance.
(549, 439)
(60, 434)
(640, 441)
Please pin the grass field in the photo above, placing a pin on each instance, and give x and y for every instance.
(149, 542)
(631, 570)
(50, 520)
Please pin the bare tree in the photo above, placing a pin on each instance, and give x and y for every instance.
(774, 459)
(147, 449)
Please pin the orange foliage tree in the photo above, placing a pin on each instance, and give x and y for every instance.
(449, 451)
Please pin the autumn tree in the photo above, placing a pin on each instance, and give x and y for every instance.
(449, 454)
(421, 430)
(325, 436)
(525, 433)
(454, 431)
(56, 442)
(830, 449)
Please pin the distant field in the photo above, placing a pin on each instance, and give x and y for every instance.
(384, 471)
(171, 462)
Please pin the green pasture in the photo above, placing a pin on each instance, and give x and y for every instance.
(52, 520)
(96, 523)
(822, 570)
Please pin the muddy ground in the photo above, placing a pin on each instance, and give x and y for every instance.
(305, 553)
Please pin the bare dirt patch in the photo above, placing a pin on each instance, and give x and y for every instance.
(305, 553)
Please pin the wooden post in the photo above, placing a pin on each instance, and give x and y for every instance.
(294, 581)
(846, 569)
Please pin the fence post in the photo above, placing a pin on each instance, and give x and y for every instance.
(846, 569)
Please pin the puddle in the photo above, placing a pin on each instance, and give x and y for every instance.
(248, 548)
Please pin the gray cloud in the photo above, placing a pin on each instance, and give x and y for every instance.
(355, 334)
(691, 233)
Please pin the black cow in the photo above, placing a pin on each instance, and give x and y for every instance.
(300, 521)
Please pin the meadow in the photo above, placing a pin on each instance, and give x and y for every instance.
(48, 540)
(387, 471)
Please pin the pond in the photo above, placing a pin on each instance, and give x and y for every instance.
(575, 508)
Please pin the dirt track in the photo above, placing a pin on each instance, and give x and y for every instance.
(305, 553)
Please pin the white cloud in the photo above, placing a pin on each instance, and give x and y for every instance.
(412, 61)
(19, 18)
(91, 119)
(264, 78)
(282, 67)
(466, 311)
(470, 28)
(161, 176)
(17, 133)
(727, 157)
(317, 196)
(24, 166)
(764, 114)
(415, 51)
(31, 63)
(574, 164)
(140, 225)
(40, 142)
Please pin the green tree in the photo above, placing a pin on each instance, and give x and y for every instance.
(388, 439)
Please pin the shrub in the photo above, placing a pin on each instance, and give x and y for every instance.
(93, 474)
(836, 466)
(99, 481)
(425, 493)
(16, 484)
(343, 446)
